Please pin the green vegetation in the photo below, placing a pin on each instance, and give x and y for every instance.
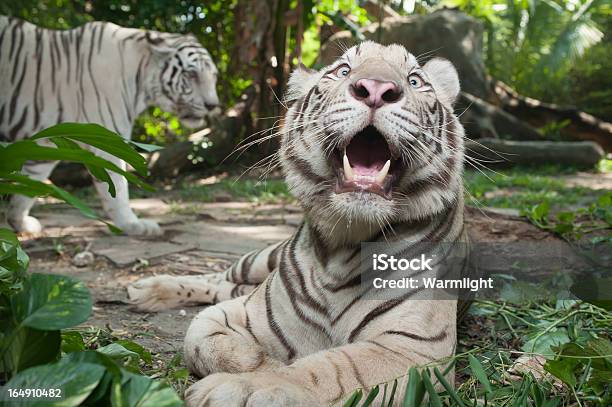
(38, 351)
(269, 191)
(521, 188)
(533, 354)
(37, 310)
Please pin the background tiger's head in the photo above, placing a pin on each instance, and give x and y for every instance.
(185, 83)
(371, 141)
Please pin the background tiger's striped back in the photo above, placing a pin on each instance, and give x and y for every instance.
(98, 73)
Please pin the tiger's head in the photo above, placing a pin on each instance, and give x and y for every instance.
(185, 81)
(371, 141)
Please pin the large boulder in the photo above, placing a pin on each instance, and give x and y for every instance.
(446, 33)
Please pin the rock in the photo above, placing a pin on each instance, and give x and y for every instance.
(83, 259)
(446, 33)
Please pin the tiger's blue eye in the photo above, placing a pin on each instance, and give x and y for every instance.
(415, 81)
(343, 71)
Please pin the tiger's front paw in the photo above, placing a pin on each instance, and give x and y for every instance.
(140, 227)
(257, 389)
(155, 294)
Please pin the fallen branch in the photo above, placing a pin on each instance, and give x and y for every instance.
(498, 152)
(582, 126)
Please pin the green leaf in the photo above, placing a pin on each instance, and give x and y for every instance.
(563, 369)
(13, 157)
(99, 137)
(540, 211)
(392, 395)
(50, 302)
(75, 380)
(415, 390)
(13, 262)
(136, 390)
(480, 373)
(434, 399)
(116, 351)
(72, 341)
(542, 344)
(24, 347)
(144, 354)
(149, 148)
(449, 389)
(371, 396)
(354, 399)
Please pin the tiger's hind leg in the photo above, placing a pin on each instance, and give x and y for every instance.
(18, 215)
(164, 292)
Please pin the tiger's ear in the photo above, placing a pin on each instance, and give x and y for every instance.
(158, 43)
(444, 77)
(300, 82)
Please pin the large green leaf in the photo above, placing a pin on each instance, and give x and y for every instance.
(480, 373)
(23, 347)
(96, 136)
(13, 262)
(50, 302)
(142, 391)
(15, 155)
(415, 389)
(75, 380)
(14, 183)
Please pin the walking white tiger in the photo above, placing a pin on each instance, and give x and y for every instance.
(373, 152)
(97, 73)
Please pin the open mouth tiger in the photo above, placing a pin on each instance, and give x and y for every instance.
(366, 163)
(372, 139)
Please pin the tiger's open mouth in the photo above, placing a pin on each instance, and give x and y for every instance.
(367, 164)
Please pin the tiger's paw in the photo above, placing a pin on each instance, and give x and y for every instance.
(27, 224)
(140, 227)
(257, 389)
(155, 294)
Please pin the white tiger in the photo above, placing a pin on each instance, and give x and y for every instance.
(97, 73)
(373, 152)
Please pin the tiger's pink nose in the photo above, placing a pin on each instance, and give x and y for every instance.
(375, 93)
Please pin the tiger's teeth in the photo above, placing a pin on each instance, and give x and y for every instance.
(348, 171)
(380, 178)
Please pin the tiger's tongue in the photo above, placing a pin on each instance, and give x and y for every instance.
(367, 160)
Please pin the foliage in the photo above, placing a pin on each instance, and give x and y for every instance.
(35, 308)
(66, 139)
(158, 127)
(573, 224)
(35, 353)
(542, 48)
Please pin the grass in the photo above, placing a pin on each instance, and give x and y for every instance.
(521, 188)
(270, 191)
(556, 353)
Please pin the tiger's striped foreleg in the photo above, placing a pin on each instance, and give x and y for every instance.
(164, 292)
(18, 215)
(330, 376)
